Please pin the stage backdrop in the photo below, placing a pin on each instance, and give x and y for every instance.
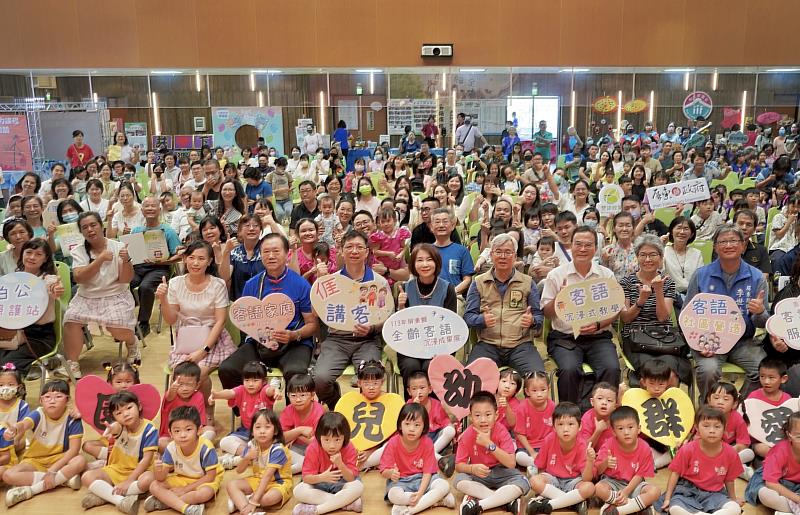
(227, 121)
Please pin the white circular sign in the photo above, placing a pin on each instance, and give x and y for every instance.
(425, 331)
(23, 300)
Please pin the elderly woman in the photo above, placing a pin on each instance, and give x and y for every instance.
(649, 297)
(620, 256)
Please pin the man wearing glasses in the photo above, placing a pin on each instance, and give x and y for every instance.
(730, 275)
(423, 233)
(503, 307)
(593, 345)
(363, 343)
(295, 343)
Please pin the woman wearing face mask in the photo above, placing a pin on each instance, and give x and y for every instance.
(779, 143)
(591, 219)
(294, 160)
(353, 178)
(158, 182)
(320, 167)
(303, 170)
(377, 162)
(365, 197)
(66, 213)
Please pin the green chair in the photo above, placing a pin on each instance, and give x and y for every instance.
(57, 352)
(706, 248)
(665, 214)
(749, 182)
(63, 274)
(3, 245)
(475, 252)
(768, 231)
(730, 182)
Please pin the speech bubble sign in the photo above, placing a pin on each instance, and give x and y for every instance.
(258, 318)
(588, 302)
(341, 303)
(371, 422)
(610, 200)
(23, 300)
(454, 384)
(425, 331)
(712, 323)
(667, 419)
(92, 394)
(767, 420)
(785, 323)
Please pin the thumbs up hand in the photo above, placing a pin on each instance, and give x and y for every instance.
(756, 306)
(527, 319)
(163, 289)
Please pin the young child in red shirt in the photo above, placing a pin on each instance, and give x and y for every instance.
(565, 463)
(703, 472)
(772, 374)
(299, 419)
(654, 377)
(485, 462)
(409, 465)
(183, 392)
(595, 426)
(725, 398)
(440, 429)
(507, 403)
(777, 484)
(534, 419)
(623, 463)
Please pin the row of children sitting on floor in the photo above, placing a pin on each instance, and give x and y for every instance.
(564, 451)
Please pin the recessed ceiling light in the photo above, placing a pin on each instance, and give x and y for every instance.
(472, 70)
(165, 72)
(783, 70)
(575, 70)
(369, 70)
(678, 70)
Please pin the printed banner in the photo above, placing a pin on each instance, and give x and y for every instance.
(258, 318)
(268, 122)
(23, 300)
(15, 144)
(371, 422)
(712, 323)
(455, 384)
(425, 331)
(91, 399)
(341, 303)
(767, 421)
(588, 302)
(684, 192)
(785, 323)
(667, 419)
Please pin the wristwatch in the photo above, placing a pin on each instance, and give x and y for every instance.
(492, 447)
(207, 349)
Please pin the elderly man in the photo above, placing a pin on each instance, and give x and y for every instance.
(296, 342)
(503, 307)
(699, 170)
(308, 207)
(730, 275)
(593, 345)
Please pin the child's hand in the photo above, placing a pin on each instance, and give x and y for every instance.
(483, 439)
(274, 393)
(620, 500)
(49, 480)
(122, 488)
(502, 402)
(331, 475)
(480, 470)
(665, 506)
(308, 432)
(158, 465)
(611, 461)
(392, 474)
(211, 399)
(414, 499)
(590, 453)
(252, 454)
(600, 425)
(739, 501)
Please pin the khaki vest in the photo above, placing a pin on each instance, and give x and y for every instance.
(508, 332)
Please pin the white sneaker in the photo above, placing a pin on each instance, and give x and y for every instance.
(135, 352)
(747, 475)
(231, 506)
(229, 461)
(75, 368)
(17, 495)
(449, 501)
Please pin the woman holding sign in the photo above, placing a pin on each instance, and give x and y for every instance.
(16, 232)
(426, 288)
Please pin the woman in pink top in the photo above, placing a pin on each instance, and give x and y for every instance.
(302, 259)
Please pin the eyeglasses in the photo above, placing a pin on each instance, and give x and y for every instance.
(354, 248)
(581, 245)
(503, 253)
(652, 256)
(729, 243)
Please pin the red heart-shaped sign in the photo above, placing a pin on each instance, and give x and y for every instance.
(455, 384)
(92, 394)
(258, 318)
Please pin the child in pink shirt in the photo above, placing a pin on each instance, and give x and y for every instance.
(534, 419)
(388, 243)
(408, 464)
(772, 375)
(595, 427)
(507, 403)
(777, 484)
(440, 429)
(299, 419)
(183, 392)
(255, 394)
(702, 474)
(565, 463)
(330, 473)
(623, 464)
(725, 398)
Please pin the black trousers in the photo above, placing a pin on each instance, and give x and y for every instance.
(290, 359)
(147, 278)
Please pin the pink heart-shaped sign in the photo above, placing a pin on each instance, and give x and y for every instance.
(258, 318)
(92, 394)
(767, 421)
(455, 384)
(712, 323)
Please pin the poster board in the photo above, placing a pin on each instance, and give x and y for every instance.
(148, 245)
(347, 111)
(15, 144)
(137, 134)
(57, 126)
(225, 121)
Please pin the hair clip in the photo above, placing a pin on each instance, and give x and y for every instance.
(361, 365)
(9, 366)
(107, 366)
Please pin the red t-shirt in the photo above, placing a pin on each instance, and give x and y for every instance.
(249, 404)
(554, 461)
(533, 424)
(513, 405)
(437, 418)
(588, 425)
(638, 462)
(736, 430)
(706, 472)
(290, 419)
(470, 452)
(197, 400)
(317, 460)
(759, 394)
(79, 156)
(780, 463)
(421, 461)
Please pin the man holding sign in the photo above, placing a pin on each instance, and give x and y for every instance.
(593, 345)
(503, 306)
(730, 275)
(296, 343)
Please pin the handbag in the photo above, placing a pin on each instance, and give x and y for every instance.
(191, 338)
(650, 338)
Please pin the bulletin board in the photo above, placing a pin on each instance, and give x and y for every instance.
(267, 120)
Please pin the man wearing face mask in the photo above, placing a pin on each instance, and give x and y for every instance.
(263, 165)
(468, 133)
(312, 140)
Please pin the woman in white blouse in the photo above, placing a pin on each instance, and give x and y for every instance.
(128, 214)
(122, 151)
(680, 260)
(94, 200)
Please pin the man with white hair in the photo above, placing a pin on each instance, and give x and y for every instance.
(503, 307)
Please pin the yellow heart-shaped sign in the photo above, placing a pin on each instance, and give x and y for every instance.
(667, 419)
(371, 422)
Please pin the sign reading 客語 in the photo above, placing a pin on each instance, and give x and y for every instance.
(588, 302)
(712, 323)
(683, 192)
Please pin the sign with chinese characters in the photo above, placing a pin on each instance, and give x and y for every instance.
(684, 192)
(91, 399)
(69, 237)
(610, 200)
(667, 419)
(588, 302)
(711, 323)
(258, 318)
(767, 420)
(455, 384)
(148, 246)
(341, 303)
(785, 323)
(23, 300)
(697, 104)
(737, 138)
(425, 331)
(371, 422)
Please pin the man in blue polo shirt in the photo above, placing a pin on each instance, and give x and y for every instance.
(147, 276)
(781, 171)
(457, 267)
(295, 343)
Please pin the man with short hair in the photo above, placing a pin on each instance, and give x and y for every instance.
(754, 254)
(423, 232)
(457, 266)
(651, 165)
(468, 133)
(729, 275)
(212, 185)
(503, 307)
(308, 206)
(198, 179)
(542, 140)
(700, 170)
(594, 345)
